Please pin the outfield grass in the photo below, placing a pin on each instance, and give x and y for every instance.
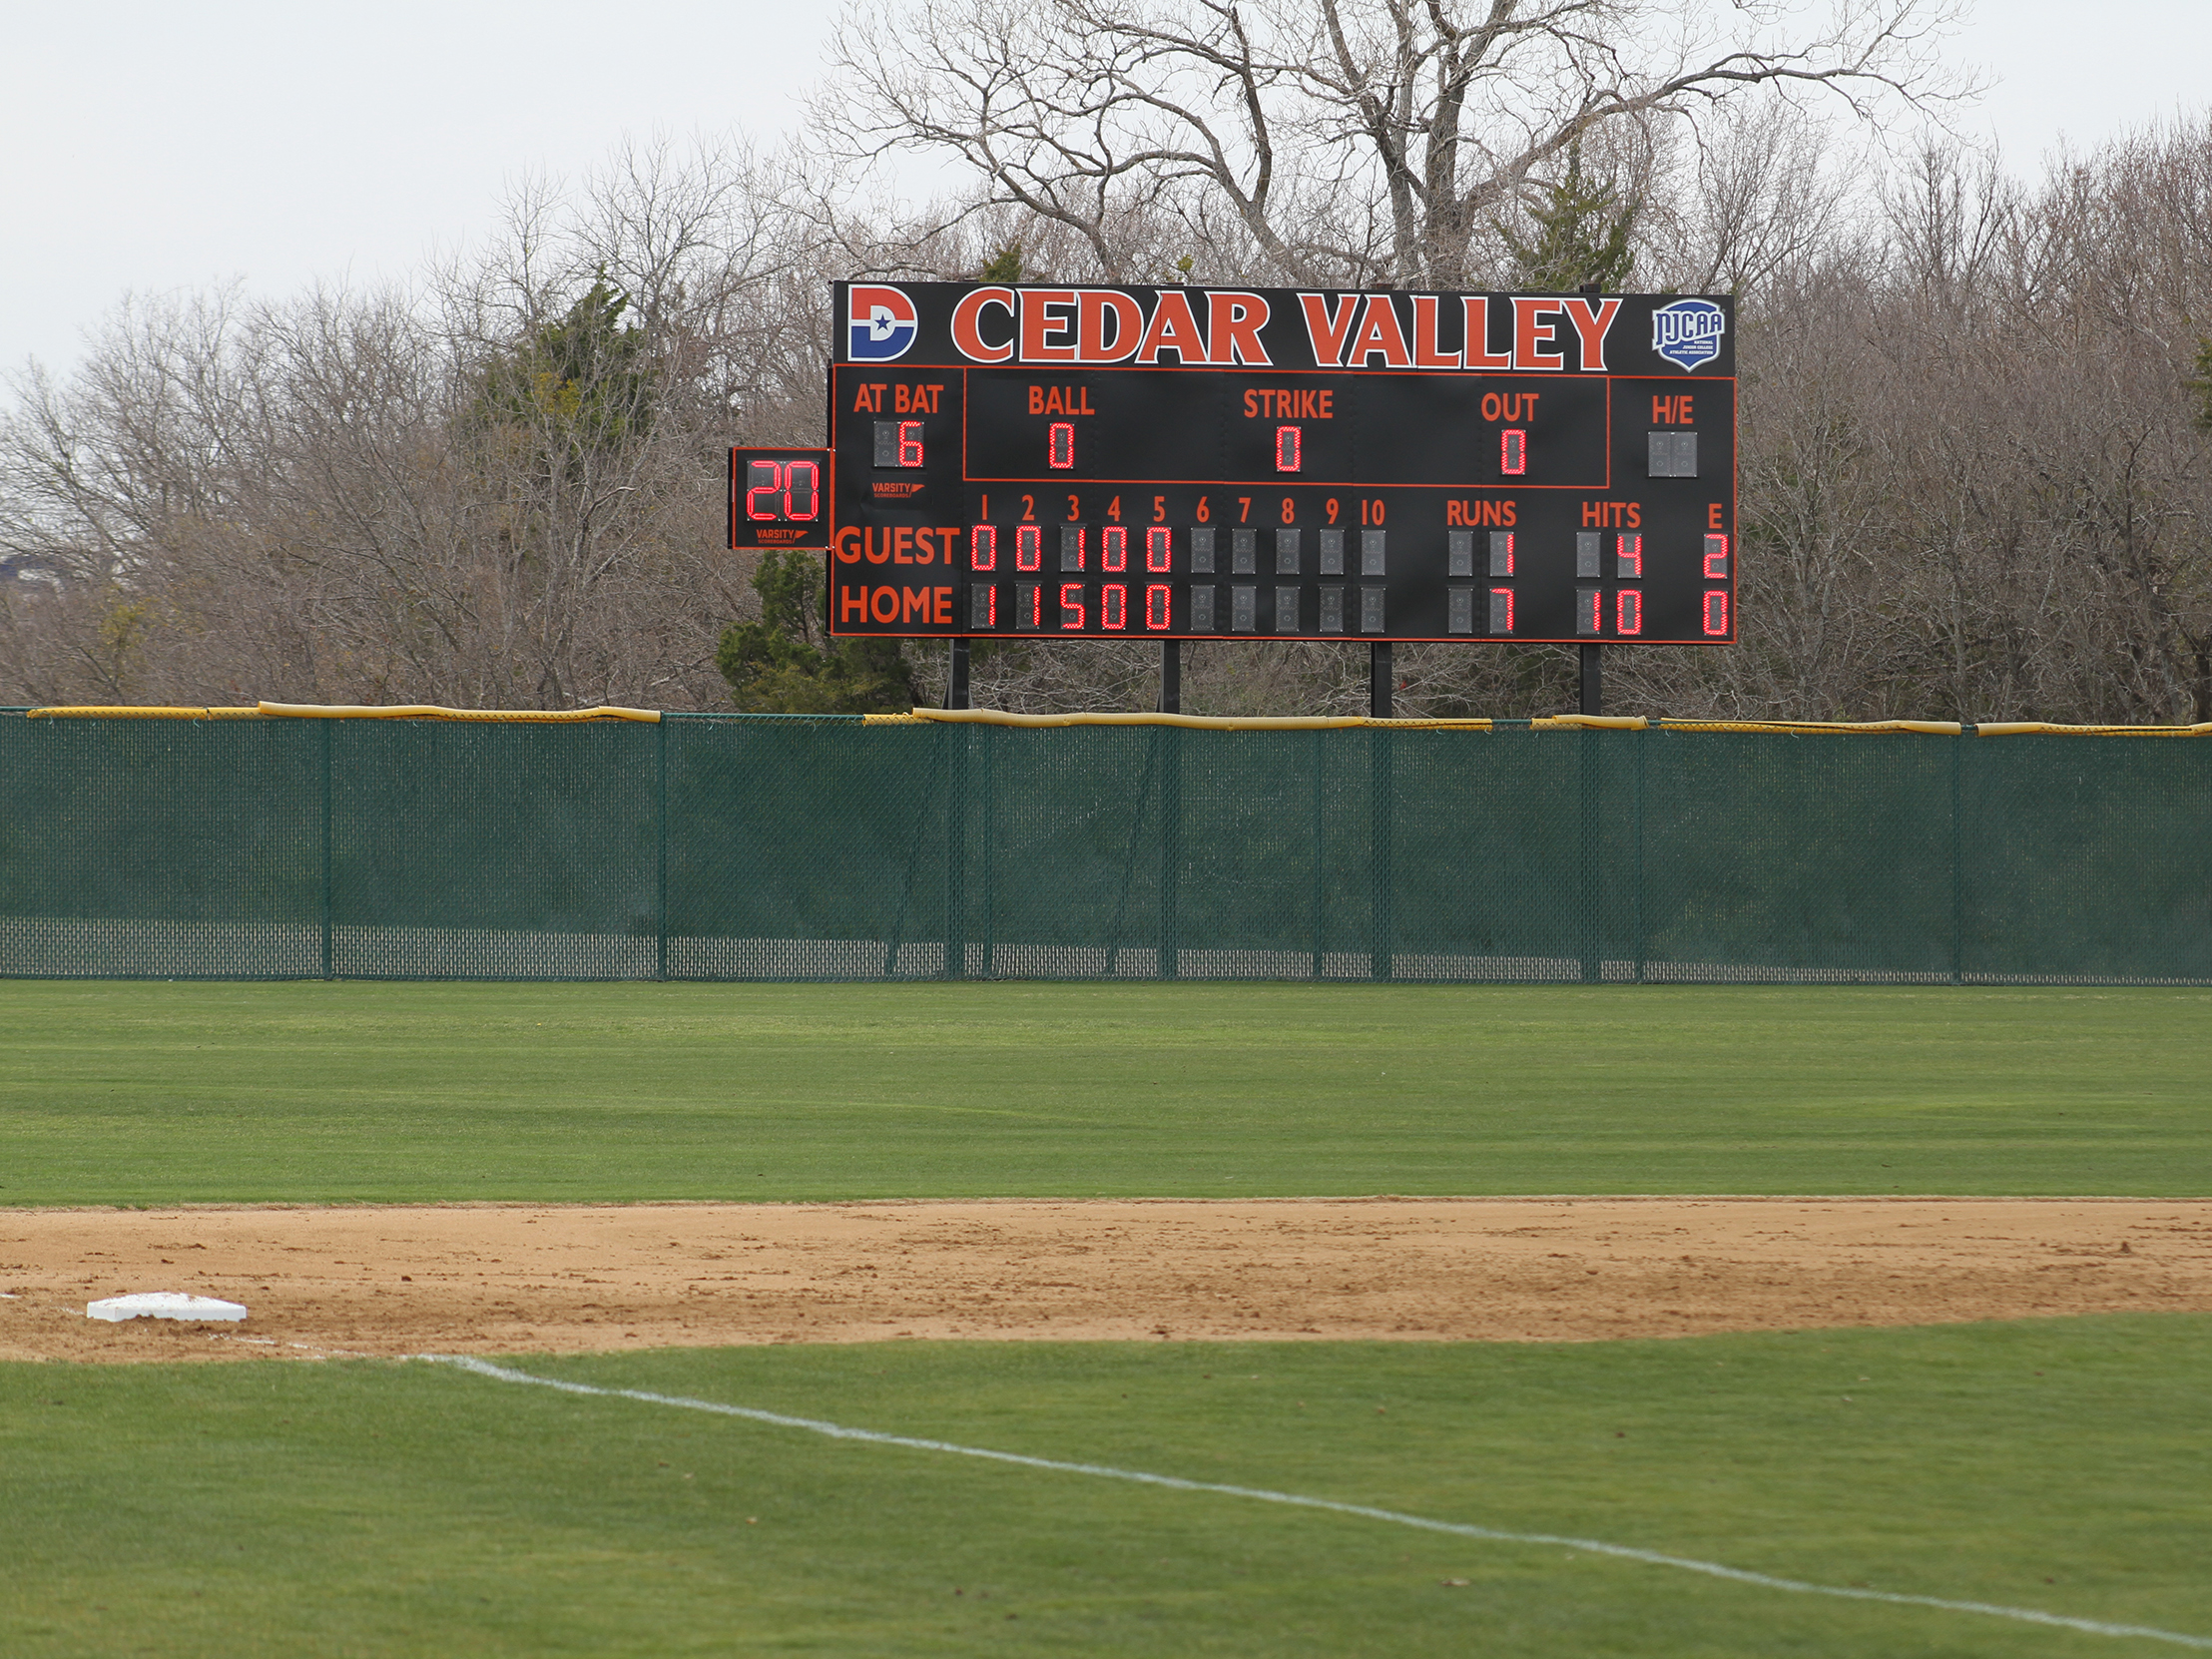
(148, 1093)
(380, 1508)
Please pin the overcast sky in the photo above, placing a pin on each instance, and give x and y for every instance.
(153, 148)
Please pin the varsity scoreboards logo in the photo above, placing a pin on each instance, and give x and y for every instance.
(880, 324)
(1687, 333)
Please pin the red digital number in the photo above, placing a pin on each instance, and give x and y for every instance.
(1029, 547)
(1155, 606)
(1716, 553)
(910, 443)
(1628, 611)
(1113, 549)
(1289, 443)
(1159, 550)
(1113, 606)
(1508, 595)
(1716, 613)
(812, 472)
(1513, 451)
(984, 547)
(1598, 612)
(1632, 556)
(1072, 605)
(763, 480)
(1059, 446)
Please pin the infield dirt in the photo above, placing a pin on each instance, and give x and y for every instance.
(539, 1277)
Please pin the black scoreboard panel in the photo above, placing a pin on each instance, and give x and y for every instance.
(1212, 464)
(777, 498)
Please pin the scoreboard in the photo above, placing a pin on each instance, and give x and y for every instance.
(1111, 462)
(775, 499)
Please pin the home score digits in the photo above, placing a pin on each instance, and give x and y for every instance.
(1117, 462)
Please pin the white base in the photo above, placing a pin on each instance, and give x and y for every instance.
(163, 1304)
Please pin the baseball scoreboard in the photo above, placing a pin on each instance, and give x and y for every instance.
(1114, 462)
(777, 499)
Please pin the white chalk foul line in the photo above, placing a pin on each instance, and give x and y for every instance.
(1459, 1530)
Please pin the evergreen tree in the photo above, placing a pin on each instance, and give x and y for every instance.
(1582, 234)
(582, 376)
(786, 664)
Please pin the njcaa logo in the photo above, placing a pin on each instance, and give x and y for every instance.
(1688, 332)
(880, 324)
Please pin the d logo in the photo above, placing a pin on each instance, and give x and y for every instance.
(881, 323)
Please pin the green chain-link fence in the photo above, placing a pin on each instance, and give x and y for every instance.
(756, 847)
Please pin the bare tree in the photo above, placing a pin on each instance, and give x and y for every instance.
(1735, 204)
(1972, 484)
(1974, 481)
(1349, 141)
(504, 489)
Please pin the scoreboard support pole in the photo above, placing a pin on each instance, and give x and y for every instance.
(1378, 680)
(957, 678)
(1593, 673)
(1171, 676)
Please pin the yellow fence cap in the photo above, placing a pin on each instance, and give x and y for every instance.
(1928, 727)
(1203, 723)
(138, 711)
(2020, 728)
(431, 711)
(1199, 723)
